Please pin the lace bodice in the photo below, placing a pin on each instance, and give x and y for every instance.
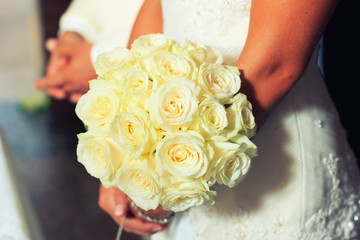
(338, 218)
(305, 182)
(223, 18)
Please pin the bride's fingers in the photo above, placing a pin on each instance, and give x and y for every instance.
(137, 226)
(120, 206)
(114, 202)
(137, 232)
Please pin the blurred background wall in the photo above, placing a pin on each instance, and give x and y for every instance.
(43, 143)
(21, 50)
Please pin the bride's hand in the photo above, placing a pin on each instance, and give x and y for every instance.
(158, 215)
(116, 204)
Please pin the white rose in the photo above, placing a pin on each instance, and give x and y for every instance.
(219, 81)
(240, 117)
(166, 66)
(174, 105)
(140, 183)
(231, 164)
(99, 105)
(186, 194)
(148, 44)
(115, 75)
(211, 120)
(134, 132)
(201, 53)
(135, 83)
(100, 155)
(184, 154)
(245, 145)
(116, 59)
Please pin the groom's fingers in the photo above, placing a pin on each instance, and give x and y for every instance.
(50, 81)
(57, 93)
(67, 49)
(50, 44)
(74, 97)
(56, 63)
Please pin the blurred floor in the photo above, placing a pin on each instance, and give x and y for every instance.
(43, 144)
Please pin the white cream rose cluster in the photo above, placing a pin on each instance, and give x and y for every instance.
(165, 122)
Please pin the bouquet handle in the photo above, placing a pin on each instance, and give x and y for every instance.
(121, 227)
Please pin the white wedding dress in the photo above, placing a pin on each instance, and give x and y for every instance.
(305, 182)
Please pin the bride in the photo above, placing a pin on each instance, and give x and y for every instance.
(305, 182)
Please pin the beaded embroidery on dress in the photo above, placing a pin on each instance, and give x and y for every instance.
(339, 218)
(305, 183)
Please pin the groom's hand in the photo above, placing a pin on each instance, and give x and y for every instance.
(69, 69)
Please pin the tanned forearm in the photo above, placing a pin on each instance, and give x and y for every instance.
(149, 20)
(281, 38)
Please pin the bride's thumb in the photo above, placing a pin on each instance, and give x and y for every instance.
(113, 201)
(120, 202)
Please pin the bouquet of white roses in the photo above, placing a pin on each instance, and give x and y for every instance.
(165, 122)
